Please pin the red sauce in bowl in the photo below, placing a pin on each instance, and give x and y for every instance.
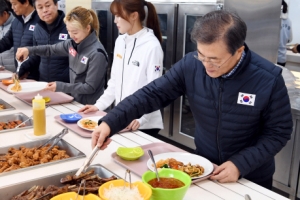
(166, 183)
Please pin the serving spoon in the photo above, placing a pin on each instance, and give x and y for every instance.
(154, 165)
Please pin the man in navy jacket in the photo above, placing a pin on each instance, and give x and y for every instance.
(20, 34)
(51, 29)
(239, 101)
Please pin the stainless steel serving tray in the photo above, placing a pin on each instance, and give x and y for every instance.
(7, 106)
(16, 116)
(63, 145)
(12, 190)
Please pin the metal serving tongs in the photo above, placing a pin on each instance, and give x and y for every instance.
(82, 183)
(129, 176)
(16, 78)
(89, 159)
(56, 139)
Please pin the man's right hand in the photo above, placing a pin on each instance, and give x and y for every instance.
(99, 135)
(22, 54)
(88, 108)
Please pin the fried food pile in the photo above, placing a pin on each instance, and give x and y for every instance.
(191, 170)
(2, 106)
(26, 157)
(93, 182)
(10, 125)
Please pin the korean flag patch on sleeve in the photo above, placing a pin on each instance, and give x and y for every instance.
(84, 60)
(31, 27)
(156, 68)
(63, 36)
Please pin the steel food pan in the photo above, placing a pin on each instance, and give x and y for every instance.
(12, 190)
(63, 145)
(6, 105)
(13, 117)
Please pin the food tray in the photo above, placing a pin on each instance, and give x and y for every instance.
(139, 167)
(16, 116)
(63, 145)
(4, 87)
(56, 97)
(75, 128)
(7, 106)
(10, 191)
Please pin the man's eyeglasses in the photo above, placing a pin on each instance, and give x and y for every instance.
(212, 63)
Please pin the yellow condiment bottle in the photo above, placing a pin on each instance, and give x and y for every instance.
(39, 115)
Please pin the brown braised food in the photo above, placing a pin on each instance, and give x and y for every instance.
(93, 182)
(26, 157)
(11, 124)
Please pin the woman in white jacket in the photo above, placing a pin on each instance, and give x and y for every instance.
(138, 59)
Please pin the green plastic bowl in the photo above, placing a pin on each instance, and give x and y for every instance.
(167, 194)
(130, 153)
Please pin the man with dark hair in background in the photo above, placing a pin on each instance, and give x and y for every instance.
(239, 101)
(6, 19)
(20, 34)
(51, 29)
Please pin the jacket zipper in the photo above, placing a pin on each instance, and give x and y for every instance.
(48, 59)
(132, 50)
(219, 120)
(122, 74)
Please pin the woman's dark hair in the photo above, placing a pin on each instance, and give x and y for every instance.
(4, 7)
(24, 1)
(220, 25)
(124, 8)
(284, 6)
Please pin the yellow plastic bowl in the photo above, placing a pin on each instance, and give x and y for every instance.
(130, 153)
(144, 189)
(72, 196)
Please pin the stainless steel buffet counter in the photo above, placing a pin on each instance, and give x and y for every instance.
(286, 177)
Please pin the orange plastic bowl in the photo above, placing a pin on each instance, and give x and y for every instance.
(7, 82)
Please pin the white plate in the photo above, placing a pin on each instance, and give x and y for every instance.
(5, 75)
(95, 119)
(185, 158)
(29, 87)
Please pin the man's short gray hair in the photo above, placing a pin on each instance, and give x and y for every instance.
(220, 25)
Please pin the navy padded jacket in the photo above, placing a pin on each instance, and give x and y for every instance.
(249, 136)
(21, 35)
(54, 68)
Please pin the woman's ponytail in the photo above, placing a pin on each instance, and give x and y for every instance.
(95, 24)
(152, 20)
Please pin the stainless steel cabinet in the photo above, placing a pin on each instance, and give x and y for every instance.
(287, 161)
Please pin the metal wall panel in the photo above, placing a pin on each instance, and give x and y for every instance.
(263, 22)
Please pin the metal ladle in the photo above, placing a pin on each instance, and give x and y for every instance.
(154, 165)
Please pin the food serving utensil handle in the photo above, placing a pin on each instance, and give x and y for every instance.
(154, 164)
(89, 159)
(19, 66)
(24, 122)
(63, 132)
(247, 197)
(58, 138)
